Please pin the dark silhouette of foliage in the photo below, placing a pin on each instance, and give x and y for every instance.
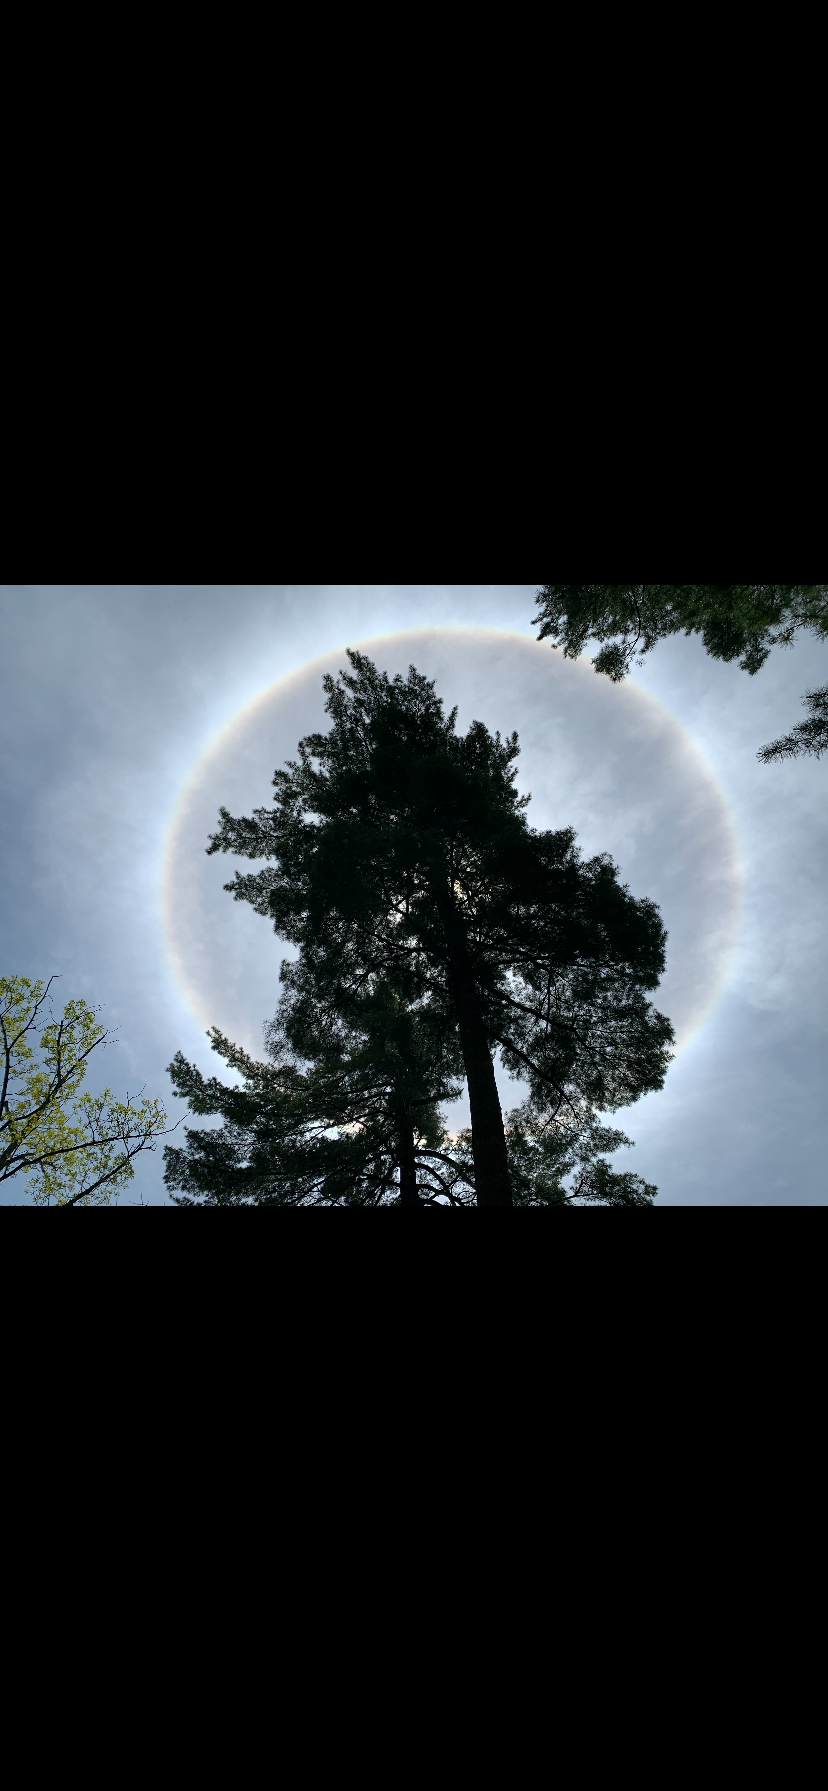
(735, 621)
(400, 849)
(544, 1148)
(341, 1114)
(354, 1128)
(741, 622)
(807, 737)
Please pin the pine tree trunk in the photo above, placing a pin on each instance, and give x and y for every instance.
(408, 1162)
(491, 1169)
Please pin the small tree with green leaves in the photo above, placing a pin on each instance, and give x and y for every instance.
(74, 1148)
(741, 622)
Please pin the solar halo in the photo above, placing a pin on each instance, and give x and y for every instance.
(608, 760)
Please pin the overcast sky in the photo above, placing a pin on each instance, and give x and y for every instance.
(114, 702)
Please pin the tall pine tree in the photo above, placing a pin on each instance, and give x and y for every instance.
(399, 847)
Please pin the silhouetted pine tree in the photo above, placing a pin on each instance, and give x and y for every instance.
(343, 1113)
(353, 1127)
(399, 849)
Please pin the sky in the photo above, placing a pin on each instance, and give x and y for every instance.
(130, 712)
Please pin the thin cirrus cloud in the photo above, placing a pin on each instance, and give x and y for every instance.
(112, 693)
(608, 760)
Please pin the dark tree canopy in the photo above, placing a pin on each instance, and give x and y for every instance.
(399, 850)
(544, 1150)
(353, 1127)
(342, 1114)
(735, 622)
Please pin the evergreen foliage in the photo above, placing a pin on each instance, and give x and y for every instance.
(735, 622)
(345, 1129)
(400, 856)
(809, 736)
(344, 1113)
(545, 1148)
